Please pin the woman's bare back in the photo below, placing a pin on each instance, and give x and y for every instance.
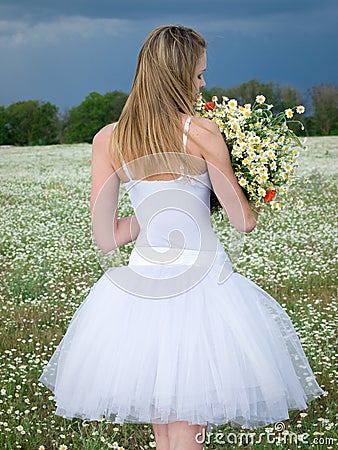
(192, 149)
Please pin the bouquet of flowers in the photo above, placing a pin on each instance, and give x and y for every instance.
(262, 147)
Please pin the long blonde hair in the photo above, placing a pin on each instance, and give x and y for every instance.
(162, 88)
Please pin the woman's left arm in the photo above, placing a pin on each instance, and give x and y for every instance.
(109, 231)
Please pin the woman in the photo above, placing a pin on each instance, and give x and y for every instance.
(176, 338)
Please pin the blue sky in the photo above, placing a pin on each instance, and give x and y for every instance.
(59, 51)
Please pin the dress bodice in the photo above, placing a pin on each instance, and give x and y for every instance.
(173, 213)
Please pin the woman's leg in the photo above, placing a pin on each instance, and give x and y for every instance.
(161, 436)
(182, 436)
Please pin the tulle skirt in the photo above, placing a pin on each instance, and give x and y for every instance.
(158, 343)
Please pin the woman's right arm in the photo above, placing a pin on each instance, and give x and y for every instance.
(223, 179)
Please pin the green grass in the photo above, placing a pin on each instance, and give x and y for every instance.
(49, 263)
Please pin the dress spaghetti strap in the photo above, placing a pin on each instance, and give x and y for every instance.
(126, 170)
(185, 133)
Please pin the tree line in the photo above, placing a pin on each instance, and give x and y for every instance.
(35, 122)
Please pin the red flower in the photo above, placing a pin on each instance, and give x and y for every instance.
(269, 195)
(209, 106)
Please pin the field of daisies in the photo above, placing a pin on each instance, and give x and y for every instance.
(49, 263)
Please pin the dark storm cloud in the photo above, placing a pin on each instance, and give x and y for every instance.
(62, 50)
(49, 9)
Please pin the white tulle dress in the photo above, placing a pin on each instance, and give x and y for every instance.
(177, 334)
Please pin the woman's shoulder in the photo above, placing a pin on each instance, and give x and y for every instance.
(203, 127)
(104, 133)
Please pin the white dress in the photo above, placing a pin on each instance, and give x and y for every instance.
(177, 334)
